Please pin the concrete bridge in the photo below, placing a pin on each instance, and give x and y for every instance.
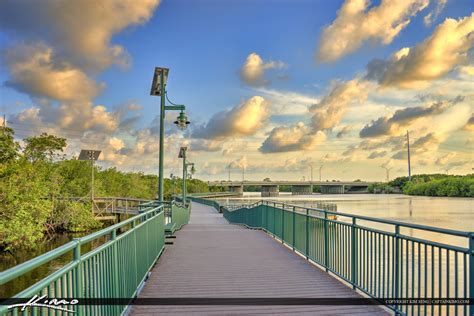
(272, 188)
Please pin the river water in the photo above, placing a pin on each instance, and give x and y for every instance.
(450, 213)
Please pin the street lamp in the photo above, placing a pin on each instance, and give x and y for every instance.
(92, 156)
(182, 121)
(182, 154)
(158, 86)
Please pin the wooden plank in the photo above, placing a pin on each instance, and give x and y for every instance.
(211, 258)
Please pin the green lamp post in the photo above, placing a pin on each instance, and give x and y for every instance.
(158, 88)
(182, 154)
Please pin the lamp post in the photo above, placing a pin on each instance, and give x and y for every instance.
(158, 89)
(172, 178)
(182, 154)
(92, 156)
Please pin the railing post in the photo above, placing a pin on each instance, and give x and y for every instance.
(353, 253)
(283, 226)
(307, 235)
(471, 271)
(137, 279)
(115, 269)
(266, 216)
(397, 263)
(326, 241)
(294, 226)
(78, 276)
(274, 221)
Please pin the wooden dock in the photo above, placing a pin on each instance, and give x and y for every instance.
(213, 259)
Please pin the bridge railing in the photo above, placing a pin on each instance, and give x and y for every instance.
(382, 258)
(115, 269)
(175, 211)
(180, 214)
(207, 202)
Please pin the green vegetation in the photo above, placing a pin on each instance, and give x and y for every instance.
(429, 185)
(34, 177)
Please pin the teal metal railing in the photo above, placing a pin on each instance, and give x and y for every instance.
(180, 214)
(213, 194)
(382, 258)
(115, 269)
(207, 202)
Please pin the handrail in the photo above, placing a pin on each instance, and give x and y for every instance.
(95, 274)
(31, 264)
(382, 263)
(374, 219)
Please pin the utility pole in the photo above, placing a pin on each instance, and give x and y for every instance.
(387, 173)
(409, 163)
(320, 167)
(92, 156)
(243, 173)
(4, 124)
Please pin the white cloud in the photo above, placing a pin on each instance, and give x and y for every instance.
(414, 68)
(287, 103)
(253, 70)
(244, 119)
(79, 31)
(390, 125)
(328, 112)
(356, 24)
(470, 124)
(433, 15)
(344, 130)
(33, 71)
(298, 137)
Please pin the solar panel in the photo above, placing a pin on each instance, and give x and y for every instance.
(89, 154)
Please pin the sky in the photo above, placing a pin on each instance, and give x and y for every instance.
(276, 88)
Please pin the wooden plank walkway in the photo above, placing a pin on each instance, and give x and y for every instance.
(211, 258)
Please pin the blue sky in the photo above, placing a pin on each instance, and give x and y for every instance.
(206, 44)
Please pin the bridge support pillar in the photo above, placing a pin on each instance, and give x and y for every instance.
(302, 190)
(237, 189)
(270, 190)
(333, 189)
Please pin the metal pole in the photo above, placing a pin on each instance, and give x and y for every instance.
(471, 271)
(409, 164)
(162, 136)
(92, 184)
(353, 253)
(184, 176)
(78, 290)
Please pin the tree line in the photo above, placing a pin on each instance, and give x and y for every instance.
(35, 175)
(429, 185)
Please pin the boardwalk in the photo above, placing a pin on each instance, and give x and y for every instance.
(211, 258)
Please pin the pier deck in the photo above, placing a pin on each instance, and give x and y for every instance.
(211, 258)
